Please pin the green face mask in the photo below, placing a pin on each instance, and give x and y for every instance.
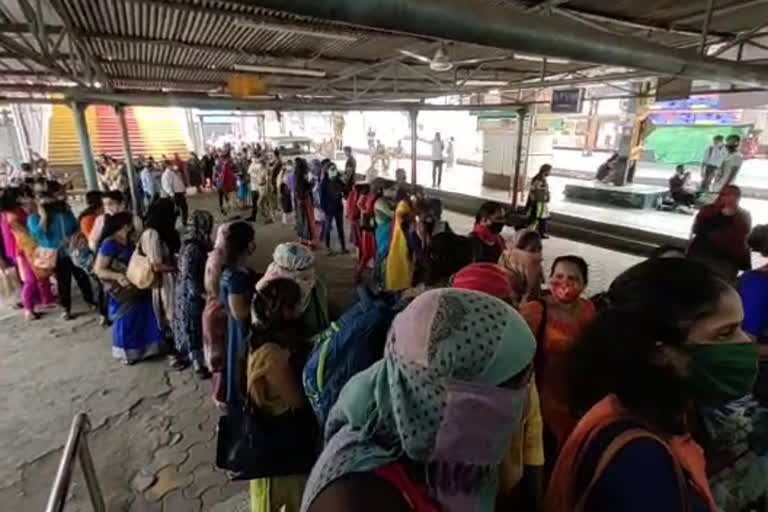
(721, 372)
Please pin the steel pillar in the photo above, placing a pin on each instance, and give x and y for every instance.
(128, 157)
(22, 137)
(413, 114)
(86, 153)
(518, 156)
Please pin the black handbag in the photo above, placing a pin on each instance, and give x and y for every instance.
(252, 444)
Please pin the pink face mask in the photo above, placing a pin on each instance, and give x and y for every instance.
(564, 292)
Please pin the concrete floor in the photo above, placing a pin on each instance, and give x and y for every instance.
(153, 437)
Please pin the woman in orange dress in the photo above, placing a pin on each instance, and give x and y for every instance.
(556, 320)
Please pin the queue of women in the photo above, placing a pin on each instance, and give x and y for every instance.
(500, 385)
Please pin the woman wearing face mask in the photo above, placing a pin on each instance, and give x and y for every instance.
(135, 331)
(525, 257)
(235, 292)
(557, 319)
(720, 233)
(538, 199)
(671, 338)
(487, 241)
(51, 227)
(398, 437)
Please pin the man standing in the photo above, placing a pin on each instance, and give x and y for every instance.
(437, 161)
(713, 159)
(731, 164)
(258, 175)
(148, 184)
(173, 187)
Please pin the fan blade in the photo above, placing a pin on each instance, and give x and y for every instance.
(425, 60)
(480, 60)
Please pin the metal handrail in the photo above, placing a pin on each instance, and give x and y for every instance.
(77, 446)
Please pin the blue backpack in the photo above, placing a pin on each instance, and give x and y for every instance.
(350, 345)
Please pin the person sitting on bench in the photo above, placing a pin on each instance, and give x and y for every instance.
(606, 168)
(678, 184)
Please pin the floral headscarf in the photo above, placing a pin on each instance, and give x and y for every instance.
(200, 227)
(296, 262)
(445, 358)
(216, 259)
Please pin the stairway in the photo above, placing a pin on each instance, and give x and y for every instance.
(152, 131)
(162, 130)
(63, 144)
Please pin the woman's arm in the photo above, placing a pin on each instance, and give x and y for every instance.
(102, 270)
(239, 306)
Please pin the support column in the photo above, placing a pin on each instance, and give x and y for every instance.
(413, 114)
(518, 156)
(86, 153)
(22, 136)
(128, 158)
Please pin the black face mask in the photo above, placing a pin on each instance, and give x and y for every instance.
(496, 227)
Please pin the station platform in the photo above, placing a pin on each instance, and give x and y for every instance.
(627, 229)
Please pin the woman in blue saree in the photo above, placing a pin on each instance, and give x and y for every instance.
(135, 334)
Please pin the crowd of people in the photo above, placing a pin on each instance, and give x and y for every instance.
(468, 377)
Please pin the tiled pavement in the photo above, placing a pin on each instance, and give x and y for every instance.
(153, 439)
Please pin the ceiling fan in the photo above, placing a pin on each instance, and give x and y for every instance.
(441, 61)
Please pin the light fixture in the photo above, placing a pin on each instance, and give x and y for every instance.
(280, 70)
(483, 83)
(294, 30)
(536, 58)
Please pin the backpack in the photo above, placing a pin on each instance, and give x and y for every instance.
(350, 345)
(80, 253)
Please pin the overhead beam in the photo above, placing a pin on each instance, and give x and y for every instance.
(22, 52)
(535, 83)
(481, 23)
(223, 49)
(744, 36)
(546, 5)
(74, 37)
(223, 71)
(204, 102)
(642, 27)
(746, 4)
(24, 28)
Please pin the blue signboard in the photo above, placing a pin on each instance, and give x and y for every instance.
(567, 101)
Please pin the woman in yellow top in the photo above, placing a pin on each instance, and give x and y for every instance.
(276, 354)
(398, 273)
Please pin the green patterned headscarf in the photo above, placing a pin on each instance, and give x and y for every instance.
(435, 398)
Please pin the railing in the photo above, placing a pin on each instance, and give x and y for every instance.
(77, 446)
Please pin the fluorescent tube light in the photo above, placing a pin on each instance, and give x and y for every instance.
(280, 70)
(484, 83)
(536, 58)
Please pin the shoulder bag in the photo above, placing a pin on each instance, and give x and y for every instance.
(139, 271)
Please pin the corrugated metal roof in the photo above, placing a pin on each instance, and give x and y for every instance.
(195, 44)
